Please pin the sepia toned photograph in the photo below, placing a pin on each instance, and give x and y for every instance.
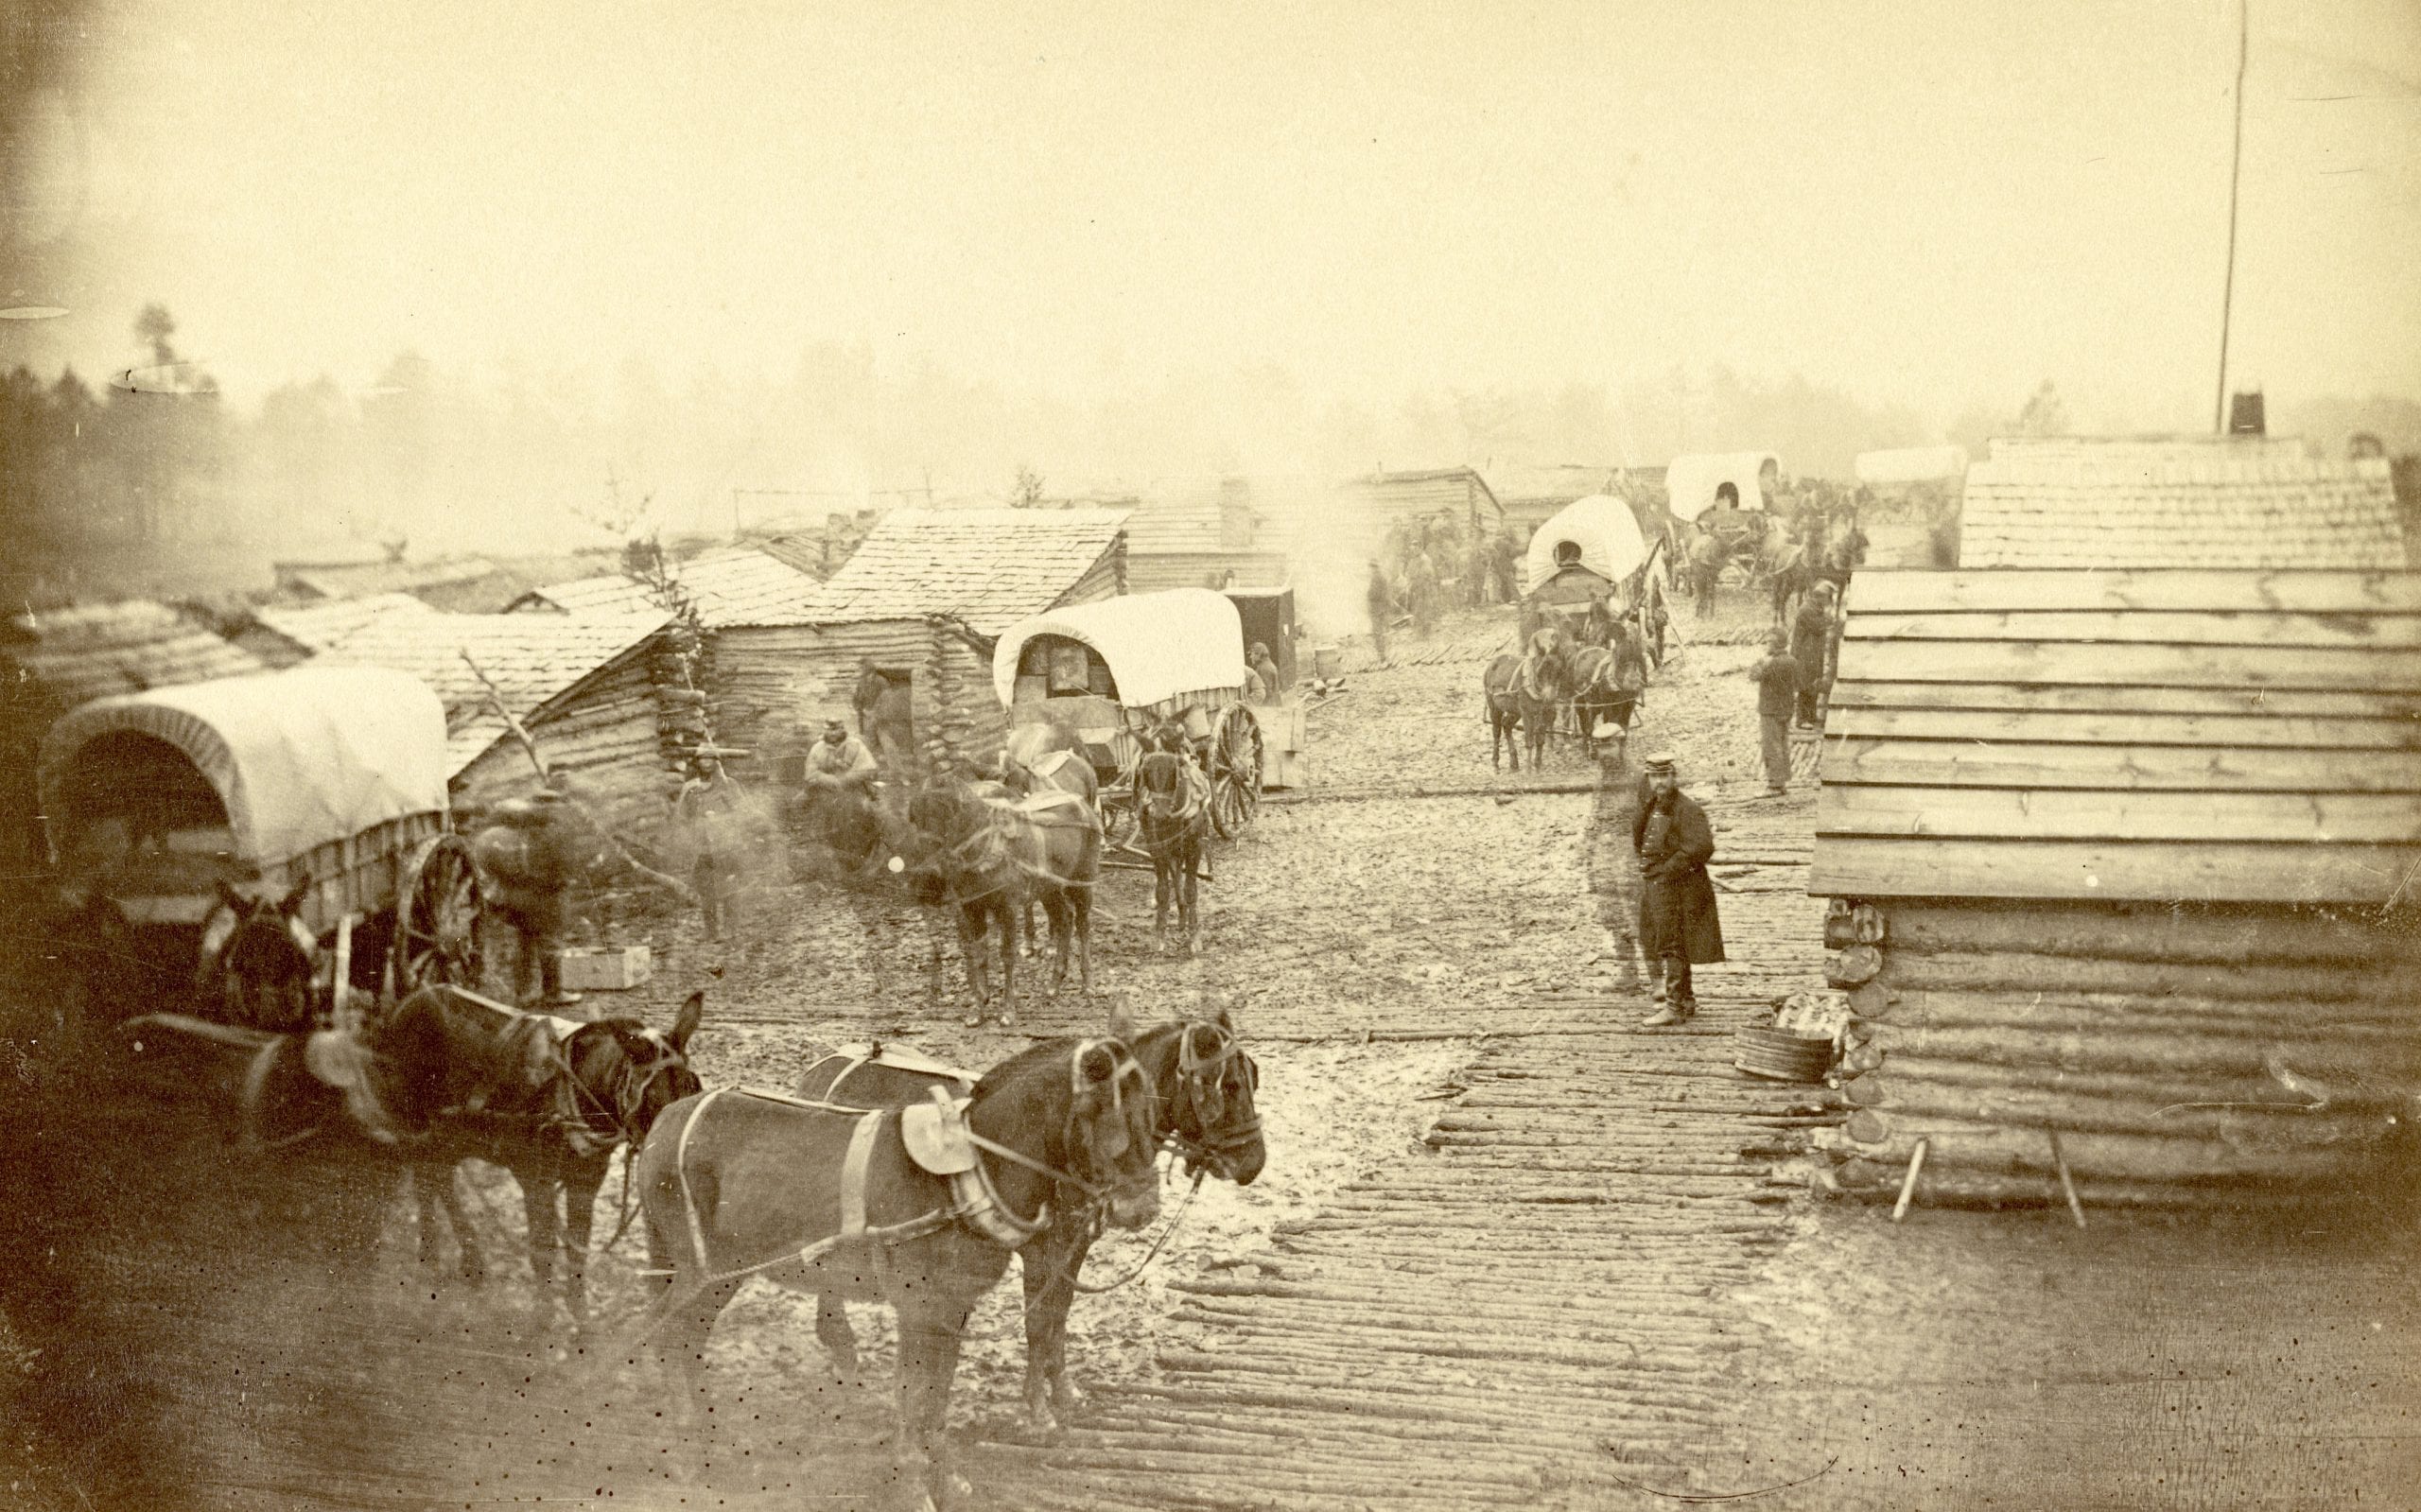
(1362, 757)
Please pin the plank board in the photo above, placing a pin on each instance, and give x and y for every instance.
(2215, 871)
(2167, 627)
(2024, 813)
(1978, 726)
(2181, 767)
(2123, 698)
(2185, 590)
(2395, 670)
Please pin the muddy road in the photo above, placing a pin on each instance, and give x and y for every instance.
(1510, 1249)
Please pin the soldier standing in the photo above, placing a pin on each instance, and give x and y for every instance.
(1382, 601)
(1678, 927)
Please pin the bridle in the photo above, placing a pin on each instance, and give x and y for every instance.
(1199, 1075)
(579, 1109)
(1093, 1190)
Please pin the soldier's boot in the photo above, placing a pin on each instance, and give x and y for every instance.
(1663, 1014)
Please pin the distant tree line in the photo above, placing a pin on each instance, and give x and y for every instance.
(141, 463)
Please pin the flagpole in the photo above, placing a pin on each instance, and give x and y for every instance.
(2236, 165)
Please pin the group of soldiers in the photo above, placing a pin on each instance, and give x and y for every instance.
(1433, 563)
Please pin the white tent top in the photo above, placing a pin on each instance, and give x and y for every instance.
(1604, 528)
(1158, 645)
(1690, 481)
(299, 757)
(1912, 464)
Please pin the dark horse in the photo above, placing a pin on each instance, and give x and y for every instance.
(1174, 810)
(459, 1077)
(991, 850)
(821, 1198)
(1203, 1084)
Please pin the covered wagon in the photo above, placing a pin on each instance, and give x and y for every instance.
(317, 791)
(1101, 677)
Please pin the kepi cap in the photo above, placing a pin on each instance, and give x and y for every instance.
(1661, 761)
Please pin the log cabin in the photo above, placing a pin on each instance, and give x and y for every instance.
(2123, 873)
(918, 601)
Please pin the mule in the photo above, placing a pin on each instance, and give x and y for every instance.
(1606, 683)
(1172, 798)
(918, 1207)
(1203, 1086)
(462, 1078)
(990, 849)
(260, 967)
(1034, 762)
(1501, 688)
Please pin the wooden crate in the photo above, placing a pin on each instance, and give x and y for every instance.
(610, 971)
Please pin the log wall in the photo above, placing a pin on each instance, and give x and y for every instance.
(2181, 1054)
(605, 734)
(775, 684)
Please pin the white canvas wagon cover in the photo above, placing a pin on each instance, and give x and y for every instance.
(1602, 526)
(1690, 481)
(1160, 647)
(300, 759)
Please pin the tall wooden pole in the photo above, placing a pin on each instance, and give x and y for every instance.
(2236, 165)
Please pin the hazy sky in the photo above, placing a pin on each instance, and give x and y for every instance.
(1925, 202)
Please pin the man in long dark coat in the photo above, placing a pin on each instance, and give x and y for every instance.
(1678, 926)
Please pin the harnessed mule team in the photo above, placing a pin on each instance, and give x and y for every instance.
(884, 1177)
(990, 849)
(1560, 683)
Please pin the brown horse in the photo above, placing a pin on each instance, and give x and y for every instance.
(1203, 1084)
(459, 1078)
(1174, 808)
(920, 1208)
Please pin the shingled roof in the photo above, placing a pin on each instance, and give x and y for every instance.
(989, 566)
(735, 584)
(80, 654)
(2193, 502)
(534, 660)
(315, 627)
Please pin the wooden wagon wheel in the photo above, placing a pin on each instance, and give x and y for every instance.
(1235, 772)
(437, 917)
(1122, 811)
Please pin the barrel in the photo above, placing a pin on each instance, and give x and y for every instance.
(1780, 1055)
